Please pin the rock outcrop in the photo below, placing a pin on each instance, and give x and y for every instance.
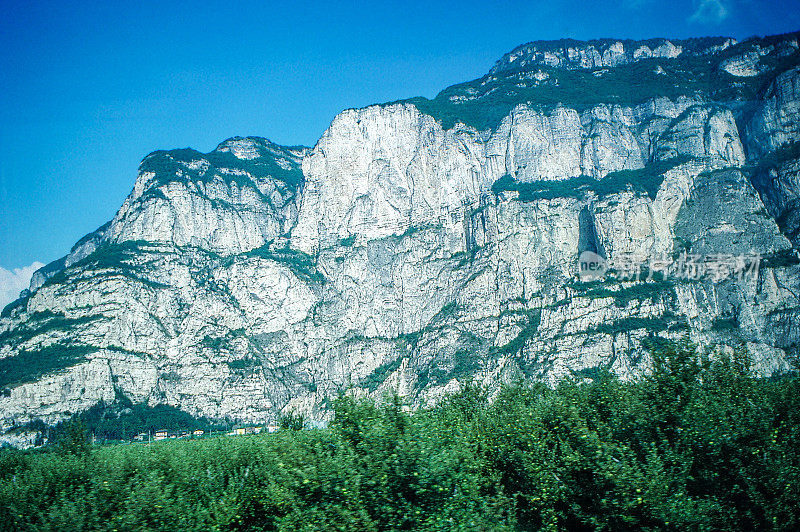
(427, 243)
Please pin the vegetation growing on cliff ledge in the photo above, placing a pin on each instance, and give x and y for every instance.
(483, 103)
(699, 444)
(644, 180)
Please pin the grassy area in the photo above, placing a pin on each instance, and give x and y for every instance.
(698, 445)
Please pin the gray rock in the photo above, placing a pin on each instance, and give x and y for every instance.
(403, 254)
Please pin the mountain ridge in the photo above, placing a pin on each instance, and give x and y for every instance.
(421, 244)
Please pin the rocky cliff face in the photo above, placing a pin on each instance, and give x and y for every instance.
(424, 244)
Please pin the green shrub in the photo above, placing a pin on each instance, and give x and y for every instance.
(303, 265)
(699, 444)
(347, 242)
(73, 438)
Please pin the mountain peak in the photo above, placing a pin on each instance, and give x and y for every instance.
(601, 53)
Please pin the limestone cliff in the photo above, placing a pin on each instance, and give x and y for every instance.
(426, 243)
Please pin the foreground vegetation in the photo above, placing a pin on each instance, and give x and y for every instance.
(698, 445)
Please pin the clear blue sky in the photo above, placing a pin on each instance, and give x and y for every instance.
(88, 88)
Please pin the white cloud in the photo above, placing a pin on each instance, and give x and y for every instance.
(12, 282)
(710, 11)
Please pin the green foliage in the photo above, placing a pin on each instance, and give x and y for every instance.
(624, 325)
(292, 421)
(114, 255)
(646, 180)
(530, 324)
(579, 89)
(18, 303)
(348, 242)
(169, 166)
(645, 290)
(724, 324)
(120, 258)
(218, 343)
(243, 364)
(29, 366)
(122, 420)
(780, 259)
(73, 438)
(462, 366)
(484, 102)
(303, 265)
(380, 374)
(788, 152)
(700, 444)
(41, 323)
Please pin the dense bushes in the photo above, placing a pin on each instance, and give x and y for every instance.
(697, 445)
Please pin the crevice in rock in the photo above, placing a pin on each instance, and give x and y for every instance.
(776, 190)
(587, 234)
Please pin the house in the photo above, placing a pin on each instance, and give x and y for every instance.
(142, 436)
(272, 428)
(237, 431)
(161, 435)
(198, 432)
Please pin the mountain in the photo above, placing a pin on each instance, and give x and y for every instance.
(422, 244)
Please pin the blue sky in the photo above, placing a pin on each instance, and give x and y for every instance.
(89, 88)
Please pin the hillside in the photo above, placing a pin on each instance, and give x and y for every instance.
(424, 244)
